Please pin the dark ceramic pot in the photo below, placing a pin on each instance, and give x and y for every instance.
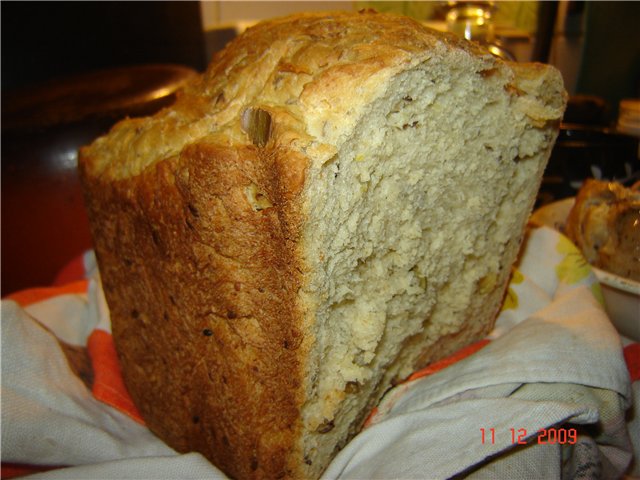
(44, 223)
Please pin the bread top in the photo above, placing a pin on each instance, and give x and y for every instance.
(313, 73)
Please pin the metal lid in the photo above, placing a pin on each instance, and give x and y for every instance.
(117, 92)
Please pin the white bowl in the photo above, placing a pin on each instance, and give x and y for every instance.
(621, 295)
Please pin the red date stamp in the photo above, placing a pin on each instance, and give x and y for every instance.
(544, 436)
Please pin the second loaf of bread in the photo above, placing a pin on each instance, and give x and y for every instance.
(337, 201)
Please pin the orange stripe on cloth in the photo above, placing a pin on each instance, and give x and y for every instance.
(72, 271)
(13, 470)
(108, 386)
(444, 363)
(433, 368)
(27, 297)
(632, 359)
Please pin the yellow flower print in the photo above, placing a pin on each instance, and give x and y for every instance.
(596, 290)
(511, 299)
(516, 276)
(573, 267)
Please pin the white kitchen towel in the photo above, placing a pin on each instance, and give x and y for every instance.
(529, 400)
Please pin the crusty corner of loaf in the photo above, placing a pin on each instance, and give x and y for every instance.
(413, 227)
(196, 266)
(540, 92)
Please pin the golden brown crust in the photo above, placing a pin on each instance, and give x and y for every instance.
(201, 289)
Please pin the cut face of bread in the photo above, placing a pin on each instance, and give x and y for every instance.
(336, 202)
(413, 226)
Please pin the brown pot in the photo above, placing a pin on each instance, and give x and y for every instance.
(44, 223)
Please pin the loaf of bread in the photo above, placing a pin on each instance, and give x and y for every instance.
(335, 202)
(604, 223)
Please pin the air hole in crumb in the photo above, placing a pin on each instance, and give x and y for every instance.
(135, 313)
(489, 72)
(326, 426)
(195, 419)
(257, 199)
(231, 314)
(207, 333)
(352, 387)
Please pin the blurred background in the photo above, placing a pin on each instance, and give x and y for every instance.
(72, 69)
